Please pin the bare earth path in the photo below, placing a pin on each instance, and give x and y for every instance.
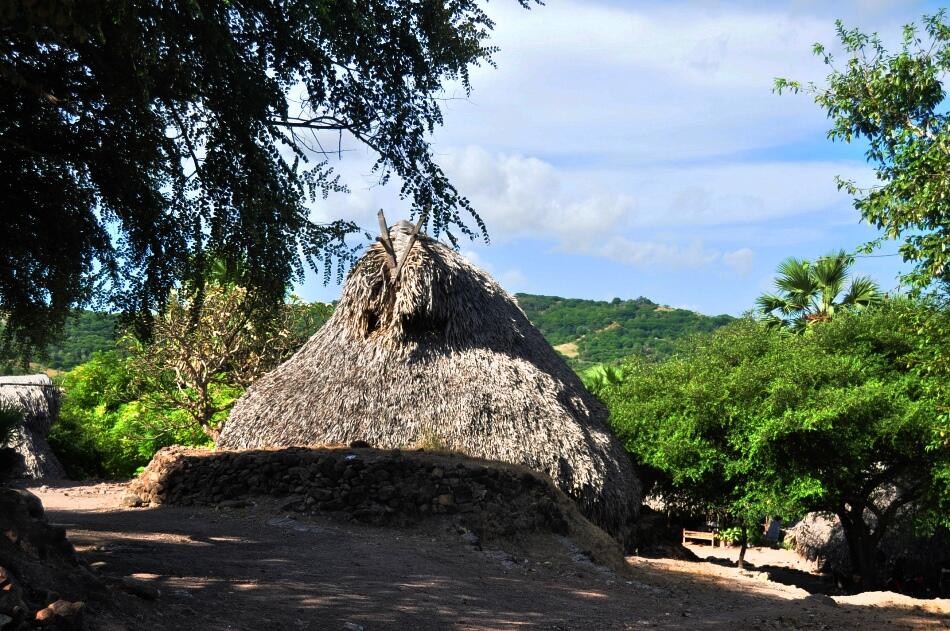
(252, 568)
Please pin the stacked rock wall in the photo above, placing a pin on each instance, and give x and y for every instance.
(375, 486)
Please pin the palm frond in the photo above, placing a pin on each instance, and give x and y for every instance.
(772, 321)
(799, 324)
(794, 277)
(863, 292)
(767, 303)
(830, 273)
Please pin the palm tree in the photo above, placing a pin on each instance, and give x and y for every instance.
(809, 292)
(600, 377)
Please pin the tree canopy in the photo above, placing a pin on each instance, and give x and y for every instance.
(761, 422)
(142, 139)
(895, 102)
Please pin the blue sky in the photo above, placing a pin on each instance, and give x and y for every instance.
(635, 148)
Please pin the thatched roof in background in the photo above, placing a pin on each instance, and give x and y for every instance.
(821, 539)
(39, 399)
(444, 357)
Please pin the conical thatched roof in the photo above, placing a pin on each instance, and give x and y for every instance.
(442, 356)
(38, 399)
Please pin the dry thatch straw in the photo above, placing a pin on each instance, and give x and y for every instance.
(38, 399)
(447, 358)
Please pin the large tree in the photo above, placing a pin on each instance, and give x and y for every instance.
(895, 103)
(757, 421)
(140, 139)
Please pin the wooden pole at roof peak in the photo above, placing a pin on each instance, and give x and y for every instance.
(384, 239)
(405, 253)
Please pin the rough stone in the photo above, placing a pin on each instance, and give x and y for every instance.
(374, 486)
(139, 588)
(61, 613)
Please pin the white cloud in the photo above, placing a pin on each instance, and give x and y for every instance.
(742, 260)
(736, 193)
(651, 216)
(643, 133)
(641, 83)
(651, 253)
(512, 279)
(474, 258)
(527, 197)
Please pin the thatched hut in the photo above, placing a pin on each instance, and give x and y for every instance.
(38, 399)
(424, 348)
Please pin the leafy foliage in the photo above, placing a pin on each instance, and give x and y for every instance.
(601, 377)
(90, 331)
(126, 403)
(895, 102)
(200, 350)
(809, 293)
(109, 425)
(85, 333)
(143, 140)
(608, 331)
(757, 421)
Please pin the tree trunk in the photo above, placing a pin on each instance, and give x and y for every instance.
(211, 432)
(862, 550)
(743, 546)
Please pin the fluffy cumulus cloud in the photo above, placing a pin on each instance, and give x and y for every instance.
(622, 218)
(527, 197)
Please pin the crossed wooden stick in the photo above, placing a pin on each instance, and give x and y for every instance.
(394, 264)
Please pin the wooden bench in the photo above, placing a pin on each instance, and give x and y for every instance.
(699, 535)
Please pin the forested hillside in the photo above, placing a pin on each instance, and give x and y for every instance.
(85, 333)
(585, 331)
(593, 331)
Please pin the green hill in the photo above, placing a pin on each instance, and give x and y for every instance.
(85, 333)
(594, 331)
(585, 331)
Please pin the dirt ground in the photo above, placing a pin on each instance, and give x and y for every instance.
(257, 568)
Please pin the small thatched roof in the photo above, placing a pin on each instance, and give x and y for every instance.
(38, 398)
(441, 356)
(820, 538)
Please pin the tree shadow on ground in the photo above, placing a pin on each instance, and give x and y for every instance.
(811, 583)
(253, 569)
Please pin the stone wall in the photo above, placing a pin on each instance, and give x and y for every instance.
(374, 486)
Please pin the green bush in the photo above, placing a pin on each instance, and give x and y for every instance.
(110, 425)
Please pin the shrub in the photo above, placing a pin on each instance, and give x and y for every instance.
(109, 425)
